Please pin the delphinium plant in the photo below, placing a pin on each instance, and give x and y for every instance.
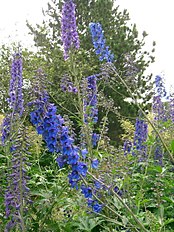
(16, 144)
(160, 115)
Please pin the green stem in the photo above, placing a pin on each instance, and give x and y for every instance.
(58, 103)
(21, 193)
(113, 211)
(102, 131)
(124, 204)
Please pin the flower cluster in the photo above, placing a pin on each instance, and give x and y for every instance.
(16, 82)
(15, 99)
(127, 147)
(90, 100)
(70, 155)
(47, 123)
(99, 43)
(16, 194)
(67, 85)
(160, 116)
(158, 106)
(140, 137)
(68, 27)
(171, 113)
(159, 86)
(158, 152)
(6, 128)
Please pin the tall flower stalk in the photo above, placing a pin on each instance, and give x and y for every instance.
(58, 139)
(15, 139)
(69, 33)
(99, 43)
(15, 99)
(140, 137)
(90, 100)
(158, 104)
(160, 116)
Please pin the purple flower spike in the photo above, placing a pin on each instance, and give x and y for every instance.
(90, 100)
(16, 82)
(158, 105)
(140, 137)
(70, 36)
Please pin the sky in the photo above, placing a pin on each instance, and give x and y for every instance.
(154, 16)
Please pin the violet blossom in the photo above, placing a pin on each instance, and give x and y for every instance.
(70, 36)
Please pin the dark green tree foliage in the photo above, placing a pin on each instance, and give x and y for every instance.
(130, 59)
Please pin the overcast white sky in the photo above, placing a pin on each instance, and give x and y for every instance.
(156, 17)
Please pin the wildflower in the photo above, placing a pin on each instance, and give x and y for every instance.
(70, 36)
(158, 153)
(84, 152)
(97, 208)
(160, 116)
(5, 128)
(100, 43)
(95, 138)
(67, 85)
(87, 191)
(95, 163)
(90, 100)
(140, 138)
(15, 99)
(97, 184)
(118, 191)
(16, 82)
(16, 194)
(158, 106)
(127, 147)
(57, 138)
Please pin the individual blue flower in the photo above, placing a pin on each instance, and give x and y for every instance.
(87, 191)
(97, 208)
(84, 152)
(74, 175)
(99, 43)
(97, 184)
(81, 168)
(67, 85)
(73, 158)
(118, 191)
(95, 163)
(95, 138)
(61, 160)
